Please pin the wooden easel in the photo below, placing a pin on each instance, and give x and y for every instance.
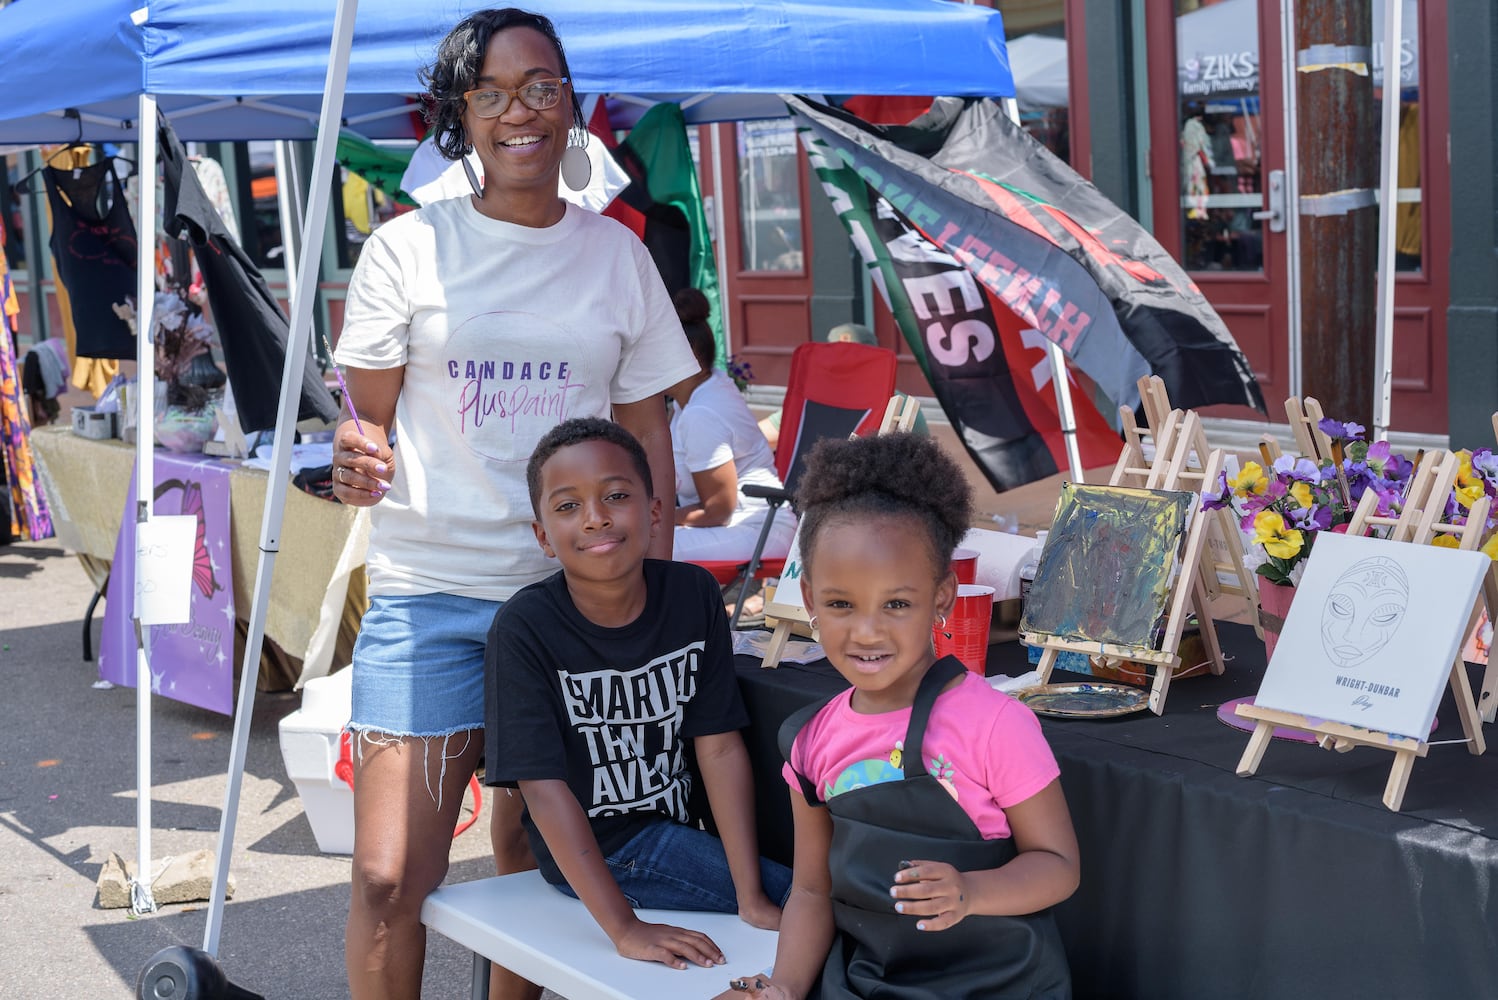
(789, 616)
(1420, 523)
(1173, 442)
(1223, 571)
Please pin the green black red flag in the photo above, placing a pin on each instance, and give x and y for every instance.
(958, 217)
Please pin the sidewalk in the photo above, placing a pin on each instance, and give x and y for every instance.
(67, 799)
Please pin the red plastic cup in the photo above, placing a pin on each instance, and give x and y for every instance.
(965, 565)
(966, 633)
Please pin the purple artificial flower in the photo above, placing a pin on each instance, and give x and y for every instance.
(1485, 467)
(1222, 499)
(1338, 431)
(1299, 469)
(1313, 518)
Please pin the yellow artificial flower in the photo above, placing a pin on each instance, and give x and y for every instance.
(1469, 494)
(1445, 542)
(1464, 469)
(1491, 546)
(1250, 479)
(1302, 494)
(1278, 539)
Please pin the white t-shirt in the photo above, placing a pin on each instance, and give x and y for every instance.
(714, 427)
(504, 332)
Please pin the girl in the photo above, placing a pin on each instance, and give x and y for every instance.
(931, 830)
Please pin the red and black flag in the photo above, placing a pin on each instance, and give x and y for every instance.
(956, 218)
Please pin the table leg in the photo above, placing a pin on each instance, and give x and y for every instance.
(480, 977)
(88, 621)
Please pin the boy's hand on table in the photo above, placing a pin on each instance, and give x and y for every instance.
(760, 912)
(933, 891)
(673, 946)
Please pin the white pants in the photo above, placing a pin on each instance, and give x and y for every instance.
(735, 541)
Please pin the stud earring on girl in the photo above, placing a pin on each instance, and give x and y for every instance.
(577, 169)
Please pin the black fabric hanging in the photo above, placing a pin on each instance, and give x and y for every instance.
(93, 245)
(251, 325)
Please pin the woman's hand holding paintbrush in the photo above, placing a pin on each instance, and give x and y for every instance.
(363, 467)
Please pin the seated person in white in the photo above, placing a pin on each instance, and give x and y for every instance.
(718, 448)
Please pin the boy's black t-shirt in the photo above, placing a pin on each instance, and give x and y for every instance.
(608, 709)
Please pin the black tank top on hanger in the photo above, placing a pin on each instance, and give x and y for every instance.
(94, 248)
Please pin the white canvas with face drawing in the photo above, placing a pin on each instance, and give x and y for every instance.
(1372, 633)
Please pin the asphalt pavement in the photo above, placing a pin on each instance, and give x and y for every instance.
(68, 796)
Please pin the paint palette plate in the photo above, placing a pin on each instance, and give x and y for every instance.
(1084, 700)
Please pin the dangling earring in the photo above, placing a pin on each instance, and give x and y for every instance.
(577, 169)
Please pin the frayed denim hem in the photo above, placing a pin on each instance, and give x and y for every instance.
(380, 738)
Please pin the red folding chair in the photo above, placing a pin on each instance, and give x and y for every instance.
(835, 390)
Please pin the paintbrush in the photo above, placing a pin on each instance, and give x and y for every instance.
(342, 385)
(1341, 475)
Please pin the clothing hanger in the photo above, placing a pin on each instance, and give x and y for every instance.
(24, 184)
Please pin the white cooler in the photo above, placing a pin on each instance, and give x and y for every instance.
(310, 748)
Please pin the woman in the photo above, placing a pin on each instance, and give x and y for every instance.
(718, 448)
(473, 326)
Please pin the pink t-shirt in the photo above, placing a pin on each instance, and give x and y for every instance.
(984, 747)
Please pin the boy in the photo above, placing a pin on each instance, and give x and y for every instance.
(595, 677)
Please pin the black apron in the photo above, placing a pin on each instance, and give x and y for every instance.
(93, 245)
(878, 954)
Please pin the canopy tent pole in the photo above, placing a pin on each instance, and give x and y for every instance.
(288, 205)
(1065, 413)
(141, 900)
(313, 228)
(1388, 218)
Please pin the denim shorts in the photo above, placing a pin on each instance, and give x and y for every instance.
(419, 665)
(672, 866)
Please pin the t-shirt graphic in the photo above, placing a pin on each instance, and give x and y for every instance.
(502, 403)
(631, 722)
(876, 770)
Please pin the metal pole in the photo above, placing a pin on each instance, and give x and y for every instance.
(1292, 194)
(1337, 205)
(1388, 217)
(1059, 380)
(313, 227)
(141, 900)
(289, 207)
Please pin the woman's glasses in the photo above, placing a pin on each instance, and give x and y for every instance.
(538, 95)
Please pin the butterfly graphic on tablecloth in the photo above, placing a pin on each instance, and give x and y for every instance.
(192, 503)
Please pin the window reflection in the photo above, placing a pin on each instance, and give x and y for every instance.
(769, 196)
(1217, 64)
(1037, 60)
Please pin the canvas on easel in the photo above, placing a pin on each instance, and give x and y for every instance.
(1362, 688)
(1121, 571)
(785, 609)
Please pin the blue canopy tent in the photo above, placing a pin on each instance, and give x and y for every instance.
(264, 69)
(234, 70)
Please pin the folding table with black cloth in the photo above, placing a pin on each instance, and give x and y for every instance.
(1296, 882)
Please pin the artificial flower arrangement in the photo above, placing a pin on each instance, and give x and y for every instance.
(1282, 508)
(740, 371)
